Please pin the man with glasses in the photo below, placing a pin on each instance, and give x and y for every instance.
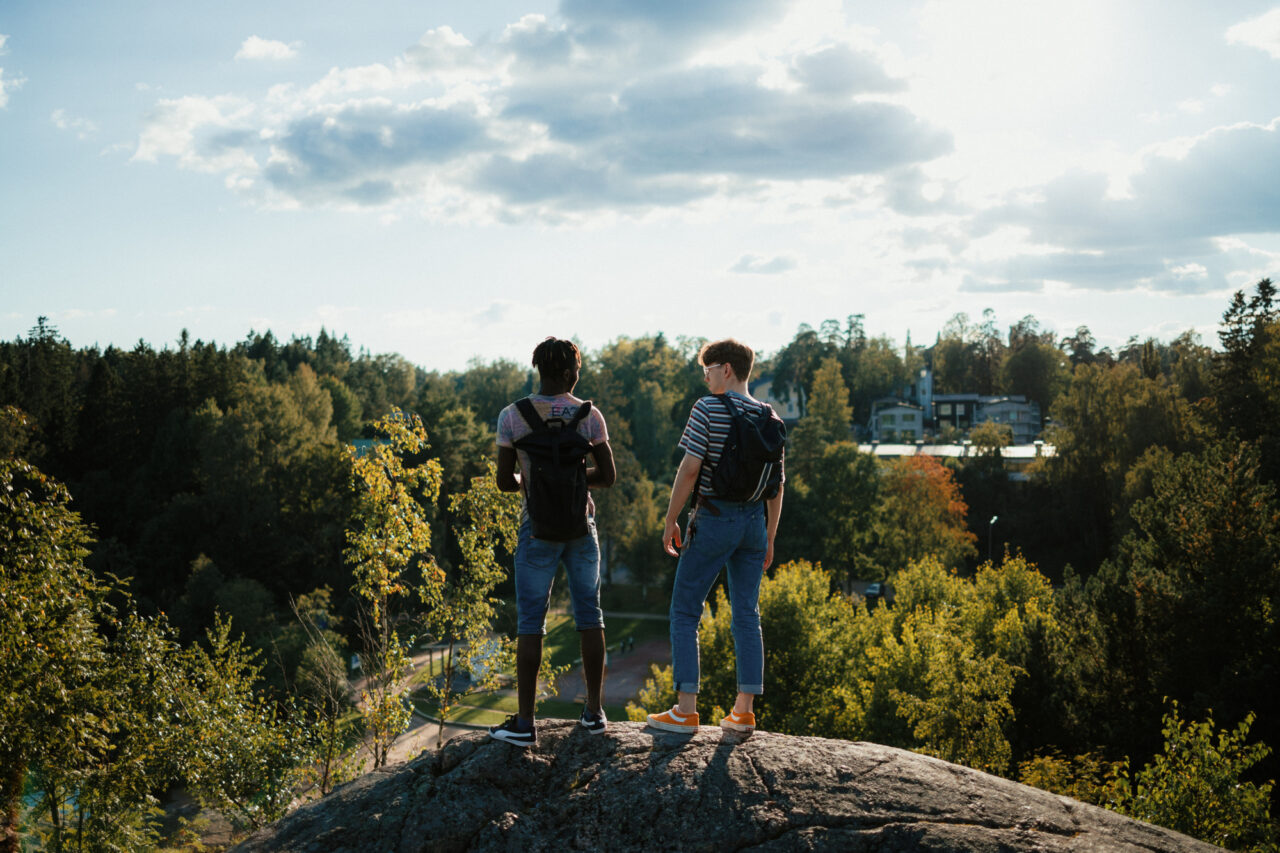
(735, 535)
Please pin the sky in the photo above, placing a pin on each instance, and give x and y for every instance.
(451, 181)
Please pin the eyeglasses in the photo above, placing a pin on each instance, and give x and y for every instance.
(706, 371)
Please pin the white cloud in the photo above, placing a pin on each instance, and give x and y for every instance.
(255, 47)
(195, 130)
(1262, 32)
(81, 127)
(1165, 233)
(7, 86)
(553, 120)
(763, 266)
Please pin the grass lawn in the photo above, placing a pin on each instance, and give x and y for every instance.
(656, 597)
(561, 643)
(462, 714)
(424, 674)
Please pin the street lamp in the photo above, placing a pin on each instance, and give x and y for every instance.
(990, 527)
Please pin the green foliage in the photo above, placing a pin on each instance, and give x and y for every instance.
(1196, 786)
(831, 513)
(322, 688)
(1089, 778)
(102, 707)
(242, 754)
(925, 674)
(15, 431)
(827, 416)
(1105, 422)
(1187, 607)
(460, 607)
(55, 717)
(644, 386)
(629, 518)
(461, 444)
(389, 533)
(1034, 367)
(658, 694)
(988, 437)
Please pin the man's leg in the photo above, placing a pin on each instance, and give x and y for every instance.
(745, 571)
(591, 641)
(535, 568)
(582, 567)
(711, 539)
(528, 662)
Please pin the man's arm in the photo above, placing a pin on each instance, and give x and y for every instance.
(772, 512)
(686, 481)
(508, 479)
(604, 474)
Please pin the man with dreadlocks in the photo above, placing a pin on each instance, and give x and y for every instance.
(526, 429)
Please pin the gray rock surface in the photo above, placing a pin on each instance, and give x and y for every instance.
(634, 788)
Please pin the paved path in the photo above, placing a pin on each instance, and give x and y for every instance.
(624, 675)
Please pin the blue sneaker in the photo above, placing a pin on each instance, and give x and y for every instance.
(514, 733)
(594, 723)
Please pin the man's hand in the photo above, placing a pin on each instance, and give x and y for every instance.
(681, 489)
(768, 555)
(671, 537)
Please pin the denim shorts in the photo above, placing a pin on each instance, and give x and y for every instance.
(536, 564)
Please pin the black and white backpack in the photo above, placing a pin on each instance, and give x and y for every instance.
(750, 466)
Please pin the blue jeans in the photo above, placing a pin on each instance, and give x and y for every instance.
(536, 564)
(735, 539)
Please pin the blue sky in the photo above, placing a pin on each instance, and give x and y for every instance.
(453, 180)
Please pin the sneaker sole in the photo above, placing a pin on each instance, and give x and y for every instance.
(673, 727)
(595, 731)
(737, 727)
(523, 744)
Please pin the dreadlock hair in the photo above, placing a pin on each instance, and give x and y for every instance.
(554, 356)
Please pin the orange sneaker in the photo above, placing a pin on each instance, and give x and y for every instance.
(744, 722)
(674, 721)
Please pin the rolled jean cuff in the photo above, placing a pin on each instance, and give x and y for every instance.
(687, 687)
(599, 626)
(754, 689)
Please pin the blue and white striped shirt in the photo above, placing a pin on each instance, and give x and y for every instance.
(706, 430)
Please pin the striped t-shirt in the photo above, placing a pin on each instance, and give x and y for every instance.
(706, 430)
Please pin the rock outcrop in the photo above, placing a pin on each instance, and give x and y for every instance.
(633, 788)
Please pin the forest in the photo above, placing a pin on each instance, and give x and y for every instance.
(191, 550)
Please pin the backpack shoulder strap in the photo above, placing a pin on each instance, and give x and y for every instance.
(525, 406)
(583, 411)
(728, 404)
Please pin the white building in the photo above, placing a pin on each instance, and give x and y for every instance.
(789, 408)
(896, 420)
(1020, 414)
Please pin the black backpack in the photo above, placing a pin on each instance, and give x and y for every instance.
(750, 466)
(556, 488)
